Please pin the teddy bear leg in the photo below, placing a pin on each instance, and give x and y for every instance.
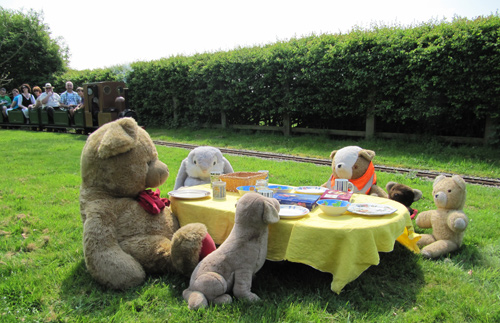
(114, 268)
(223, 299)
(211, 284)
(195, 300)
(425, 239)
(187, 244)
(439, 248)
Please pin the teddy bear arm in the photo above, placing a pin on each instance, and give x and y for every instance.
(457, 221)
(192, 181)
(378, 191)
(423, 220)
(243, 284)
(181, 176)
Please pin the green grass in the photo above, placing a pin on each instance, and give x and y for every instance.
(43, 276)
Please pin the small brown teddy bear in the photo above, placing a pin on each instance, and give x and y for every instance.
(404, 195)
(355, 164)
(128, 230)
(448, 222)
(239, 257)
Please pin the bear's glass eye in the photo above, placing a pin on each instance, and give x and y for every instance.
(215, 163)
(449, 191)
(194, 162)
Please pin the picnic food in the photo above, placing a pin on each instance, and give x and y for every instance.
(128, 230)
(448, 221)
(355, 164)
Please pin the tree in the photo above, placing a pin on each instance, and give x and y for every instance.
(27, 52)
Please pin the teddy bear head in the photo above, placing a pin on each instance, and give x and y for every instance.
(203, 160)
(449, 193)
(351, 162)
(403, 193)
(254, 210)
(121, 160)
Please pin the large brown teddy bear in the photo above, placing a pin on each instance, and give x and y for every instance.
(128, 230)
(355, 164)
(448, 222)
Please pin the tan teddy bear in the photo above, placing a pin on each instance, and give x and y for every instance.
(128, 230)
(239, 257)
(448, 222)
(355, 164)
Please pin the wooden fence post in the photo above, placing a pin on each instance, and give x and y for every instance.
(286, 124)
(370, 124)
(175, 102)
(489, 130)
(223, 119)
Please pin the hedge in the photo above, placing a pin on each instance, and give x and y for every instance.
(438, 78)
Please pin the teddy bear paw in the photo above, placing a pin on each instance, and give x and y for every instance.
(426, 254)
(459, 224)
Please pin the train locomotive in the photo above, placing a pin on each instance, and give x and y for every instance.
(103, 102)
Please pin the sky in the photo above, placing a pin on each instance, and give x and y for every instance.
(105, 33)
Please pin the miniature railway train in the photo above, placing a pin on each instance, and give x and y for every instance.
(103, 102)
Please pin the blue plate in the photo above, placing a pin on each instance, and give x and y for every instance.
(245, 189)
(281, 188)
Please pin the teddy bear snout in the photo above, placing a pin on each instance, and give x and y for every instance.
(343, 171)
(440, 199)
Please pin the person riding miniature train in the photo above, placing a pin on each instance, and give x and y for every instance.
(50, 101)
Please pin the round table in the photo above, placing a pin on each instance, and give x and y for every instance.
(344, 245)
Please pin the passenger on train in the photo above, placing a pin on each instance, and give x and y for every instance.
(14, 105)
(79, 91)
(38, 92)
(50, 101)
(27, 100)
(70, 100)
(5, 101)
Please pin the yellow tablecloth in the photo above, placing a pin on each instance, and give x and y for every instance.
(344, 245)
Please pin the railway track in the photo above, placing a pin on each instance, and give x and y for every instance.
(317, 161)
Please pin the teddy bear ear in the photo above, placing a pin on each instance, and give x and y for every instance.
(271, 214)
(333, 154)
(366, 154)
(120, 137)
(459, 180)
(389, 185)
(417, 195)
(438, 179)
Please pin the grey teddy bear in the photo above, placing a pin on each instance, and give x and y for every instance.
(196, 167)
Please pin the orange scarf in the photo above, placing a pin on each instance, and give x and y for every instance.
(363, 181)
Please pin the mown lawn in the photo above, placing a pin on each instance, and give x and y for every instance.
(43, 276)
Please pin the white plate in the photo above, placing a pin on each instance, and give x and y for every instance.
(316, 190)
(371, 209)
(292, 211)
(189, 194)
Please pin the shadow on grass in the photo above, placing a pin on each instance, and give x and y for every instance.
(395, 282)
(283, 286)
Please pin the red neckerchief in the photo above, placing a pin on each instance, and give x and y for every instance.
(152, 202)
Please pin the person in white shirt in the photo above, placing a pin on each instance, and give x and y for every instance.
(50, 101)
